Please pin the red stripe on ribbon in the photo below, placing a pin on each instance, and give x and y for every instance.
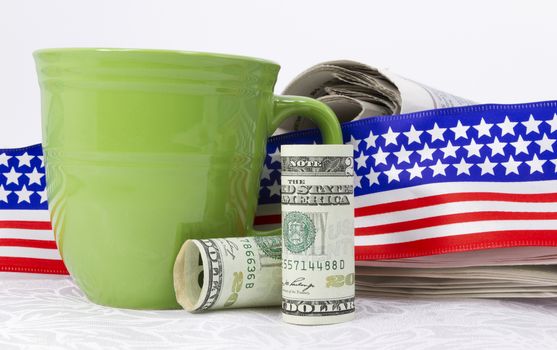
(453, 219)
(30, 225)
(266, 219)
(458, 243)
(28, 243)
(32, 265)
(452, 198)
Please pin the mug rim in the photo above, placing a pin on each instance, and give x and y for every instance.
(156, 51)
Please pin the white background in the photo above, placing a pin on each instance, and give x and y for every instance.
(488, 51)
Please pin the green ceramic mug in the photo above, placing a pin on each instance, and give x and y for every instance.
(147, 148)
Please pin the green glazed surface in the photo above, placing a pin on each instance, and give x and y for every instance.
(147, 148)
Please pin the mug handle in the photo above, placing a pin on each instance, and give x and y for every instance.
(318, 112)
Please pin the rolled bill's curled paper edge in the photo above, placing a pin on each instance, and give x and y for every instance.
(183, 267)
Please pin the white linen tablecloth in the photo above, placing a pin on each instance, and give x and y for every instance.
(50, 312)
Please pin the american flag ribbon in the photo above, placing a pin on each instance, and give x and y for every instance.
(26, 239)
(442, 181)
(432, 182)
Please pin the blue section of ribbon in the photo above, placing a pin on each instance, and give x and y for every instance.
(22, 178)
(486, 143)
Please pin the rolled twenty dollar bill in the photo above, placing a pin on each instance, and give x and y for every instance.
(228, 273)
(317, 195)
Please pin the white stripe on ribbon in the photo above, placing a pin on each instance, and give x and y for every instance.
(24, 215)
(451, 208)
(25, 252)
(454, 230)
(530, 187)
(43, 235)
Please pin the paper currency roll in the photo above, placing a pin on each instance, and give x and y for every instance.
(228, 273)
(318, 278)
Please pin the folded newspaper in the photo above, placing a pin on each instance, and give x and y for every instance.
(479, 281)
(426, 267)
(355, 91)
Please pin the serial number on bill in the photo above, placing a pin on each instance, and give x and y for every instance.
(303, 265)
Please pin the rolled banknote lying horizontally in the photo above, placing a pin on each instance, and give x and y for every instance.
(317, 195)
(228, 273)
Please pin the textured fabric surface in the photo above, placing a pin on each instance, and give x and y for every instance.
(50, 312)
